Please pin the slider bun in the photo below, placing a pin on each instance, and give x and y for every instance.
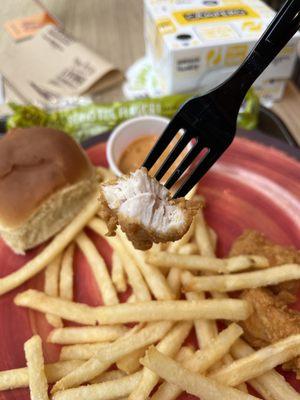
(45, 179)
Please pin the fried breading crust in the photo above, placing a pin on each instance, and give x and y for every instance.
(141, 236)
(253, 242)
(271, 321)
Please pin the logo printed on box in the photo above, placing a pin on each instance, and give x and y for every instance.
(214, 14)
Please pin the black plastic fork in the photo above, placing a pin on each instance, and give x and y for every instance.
(210, 121)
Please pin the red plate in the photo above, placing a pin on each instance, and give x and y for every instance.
(253, 186)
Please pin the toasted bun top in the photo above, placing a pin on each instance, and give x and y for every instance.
(35, 163)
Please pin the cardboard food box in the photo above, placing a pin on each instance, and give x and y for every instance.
(197, 44)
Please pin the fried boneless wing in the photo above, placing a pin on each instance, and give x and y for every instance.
(253, 242)
(272, 319)
(144, 210)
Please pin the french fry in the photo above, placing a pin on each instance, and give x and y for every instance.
(259, 362)
(174, 281)
(18, 378)
(202, 360)
(108, 376)
(246, 280)
(213, 238)
(87, 350)
(262, 391)
(117, 273)
(109, 354)
(188, 249)
(170, 310)
(106, 390)
(194, 262)
(66, 274)
(154, 278)
(228, 359)
(205, 329)
(104, 173)
(189, 381)
(131, 363)
(51, 287)
(169, 345)
(174, 247)
(82, 351)
(174, 310)
(270, 382)
(99, 269)
(56, 246)
(136, 281)
(202, 236)
(185, 353)
(38, 384)
(90, 334)
(156, 247)
(76, 312)
(131, 298)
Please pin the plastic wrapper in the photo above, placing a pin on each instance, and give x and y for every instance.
(89, 120)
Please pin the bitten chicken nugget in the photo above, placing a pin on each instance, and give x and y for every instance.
(144, 210)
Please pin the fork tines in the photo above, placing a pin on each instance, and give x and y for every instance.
(197, 146)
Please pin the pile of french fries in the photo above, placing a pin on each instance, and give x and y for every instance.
(170, 286)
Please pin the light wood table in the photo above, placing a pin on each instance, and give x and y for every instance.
(114, 28)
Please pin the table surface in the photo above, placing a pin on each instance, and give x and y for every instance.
(114, 29)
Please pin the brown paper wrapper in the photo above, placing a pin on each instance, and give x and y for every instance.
(53, 65)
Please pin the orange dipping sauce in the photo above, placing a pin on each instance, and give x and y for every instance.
(136, 152)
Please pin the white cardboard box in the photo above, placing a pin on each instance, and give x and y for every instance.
(197, 44)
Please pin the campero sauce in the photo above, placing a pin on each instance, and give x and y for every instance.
(136, 152)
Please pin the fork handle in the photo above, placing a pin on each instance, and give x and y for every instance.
(277, 35)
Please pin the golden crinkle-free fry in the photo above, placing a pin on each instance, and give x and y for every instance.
(38, 384)
(87, 350)
(202, 236)
(155, 279)
(131, 363)
(189, 381)
(170, 310)
(270, 382)
(246, 280)
(18, 378)
(259, 362)
(109, 390)
(169, 345)
(195, 262)
(174, 281)
(188, 249)
(51, 287)
(174, 247)
(109, 354)
(85, 334)
(67, 273)
(108, 376)
(99, 269)
(69, 310)
(82, 351)
(202, 360)
(118, 273)
(205, 329)
(136, 281)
